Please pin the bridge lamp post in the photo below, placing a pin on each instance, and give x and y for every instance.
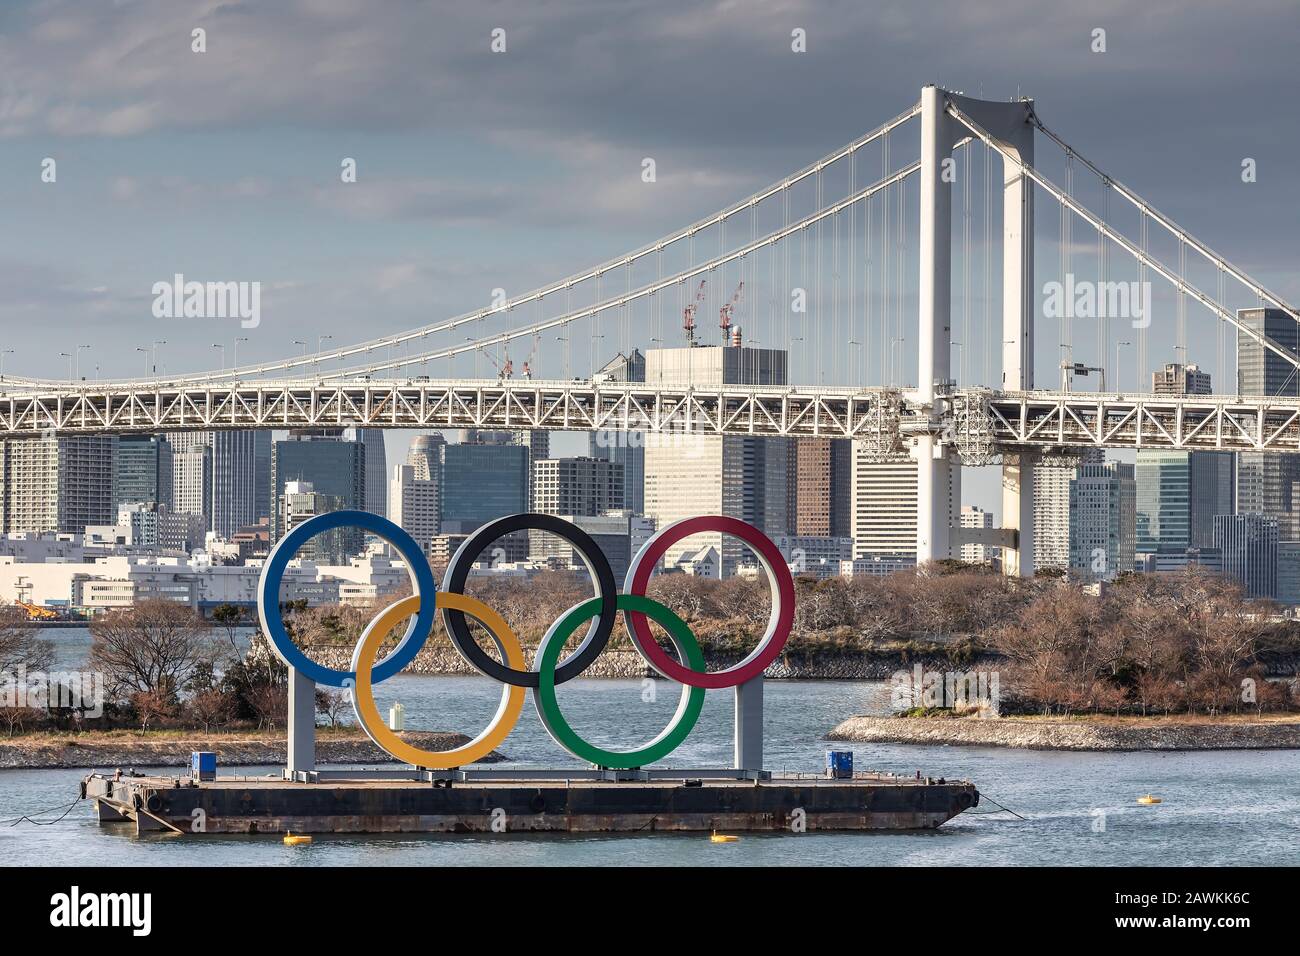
(68, 356)
(3, 353)
(155, 353)
(565, 340)
(320, 343)
(218, 345)
(77, 352)
(146, 359)
(234, 357)
(1118, 378)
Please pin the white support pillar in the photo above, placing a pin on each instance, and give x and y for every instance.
(302, 722)
(934, 340)
(1018, 307)
(749, 724)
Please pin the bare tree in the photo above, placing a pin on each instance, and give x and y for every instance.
(20, 642)
(152, 646)
(210, 707)
(331, 704)
(271, 704)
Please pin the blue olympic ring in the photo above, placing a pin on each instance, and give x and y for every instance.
(268, 595)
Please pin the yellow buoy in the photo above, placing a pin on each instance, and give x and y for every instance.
(716, 837)
(291, 840)
(1148, 800)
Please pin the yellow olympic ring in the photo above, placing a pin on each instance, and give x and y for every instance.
(512, 696)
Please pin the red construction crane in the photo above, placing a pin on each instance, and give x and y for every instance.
(725, 313)
(528, 362)
(504, 369)
(688, 314)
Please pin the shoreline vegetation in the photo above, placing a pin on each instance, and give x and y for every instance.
(1189, 644)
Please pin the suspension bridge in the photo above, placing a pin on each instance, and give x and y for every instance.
(854, 268)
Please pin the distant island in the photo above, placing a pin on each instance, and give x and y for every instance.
(1083, 733)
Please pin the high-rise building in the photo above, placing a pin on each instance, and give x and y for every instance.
(1268, 483)
(142, 470)
(1262, 371)
(618, 534)
(234, 482)
(627, 448)
(57, 484)
(235, 488)
(972, 517)
(883, 503)
(1103, 508)
(1052, 477)
(299, 502)
(820, 487)
(192, 479)
(1249, 545)
(335, 468)
(413, 504)
(1177, 379)
(480, 482)
(577, 486)
(424, 456)
(742, 477)
(1178, 495)
(262, 475)
(376, 468)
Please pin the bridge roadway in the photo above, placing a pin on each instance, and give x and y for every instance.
(981, 424)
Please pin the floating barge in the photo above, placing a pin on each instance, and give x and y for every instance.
(479, 801)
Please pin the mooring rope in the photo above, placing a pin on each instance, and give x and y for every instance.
(1000, 808)
(43, 823)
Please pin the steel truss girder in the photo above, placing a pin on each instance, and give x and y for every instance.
(1194, 423)
(869, 414)
(979, 425)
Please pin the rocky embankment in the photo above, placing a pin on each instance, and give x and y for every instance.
(628, 663)
(98, 752)
(1159, 734)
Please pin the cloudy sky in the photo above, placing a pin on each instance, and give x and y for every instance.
(479, 170)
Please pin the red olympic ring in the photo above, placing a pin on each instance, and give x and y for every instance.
(779, 624)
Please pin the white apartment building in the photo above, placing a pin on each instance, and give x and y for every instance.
(973, 517)
(882, 504)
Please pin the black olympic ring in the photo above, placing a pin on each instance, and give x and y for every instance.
(602, 575)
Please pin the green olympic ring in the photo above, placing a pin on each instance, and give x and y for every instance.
(548, 707)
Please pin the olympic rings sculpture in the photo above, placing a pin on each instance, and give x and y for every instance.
(548, 671)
